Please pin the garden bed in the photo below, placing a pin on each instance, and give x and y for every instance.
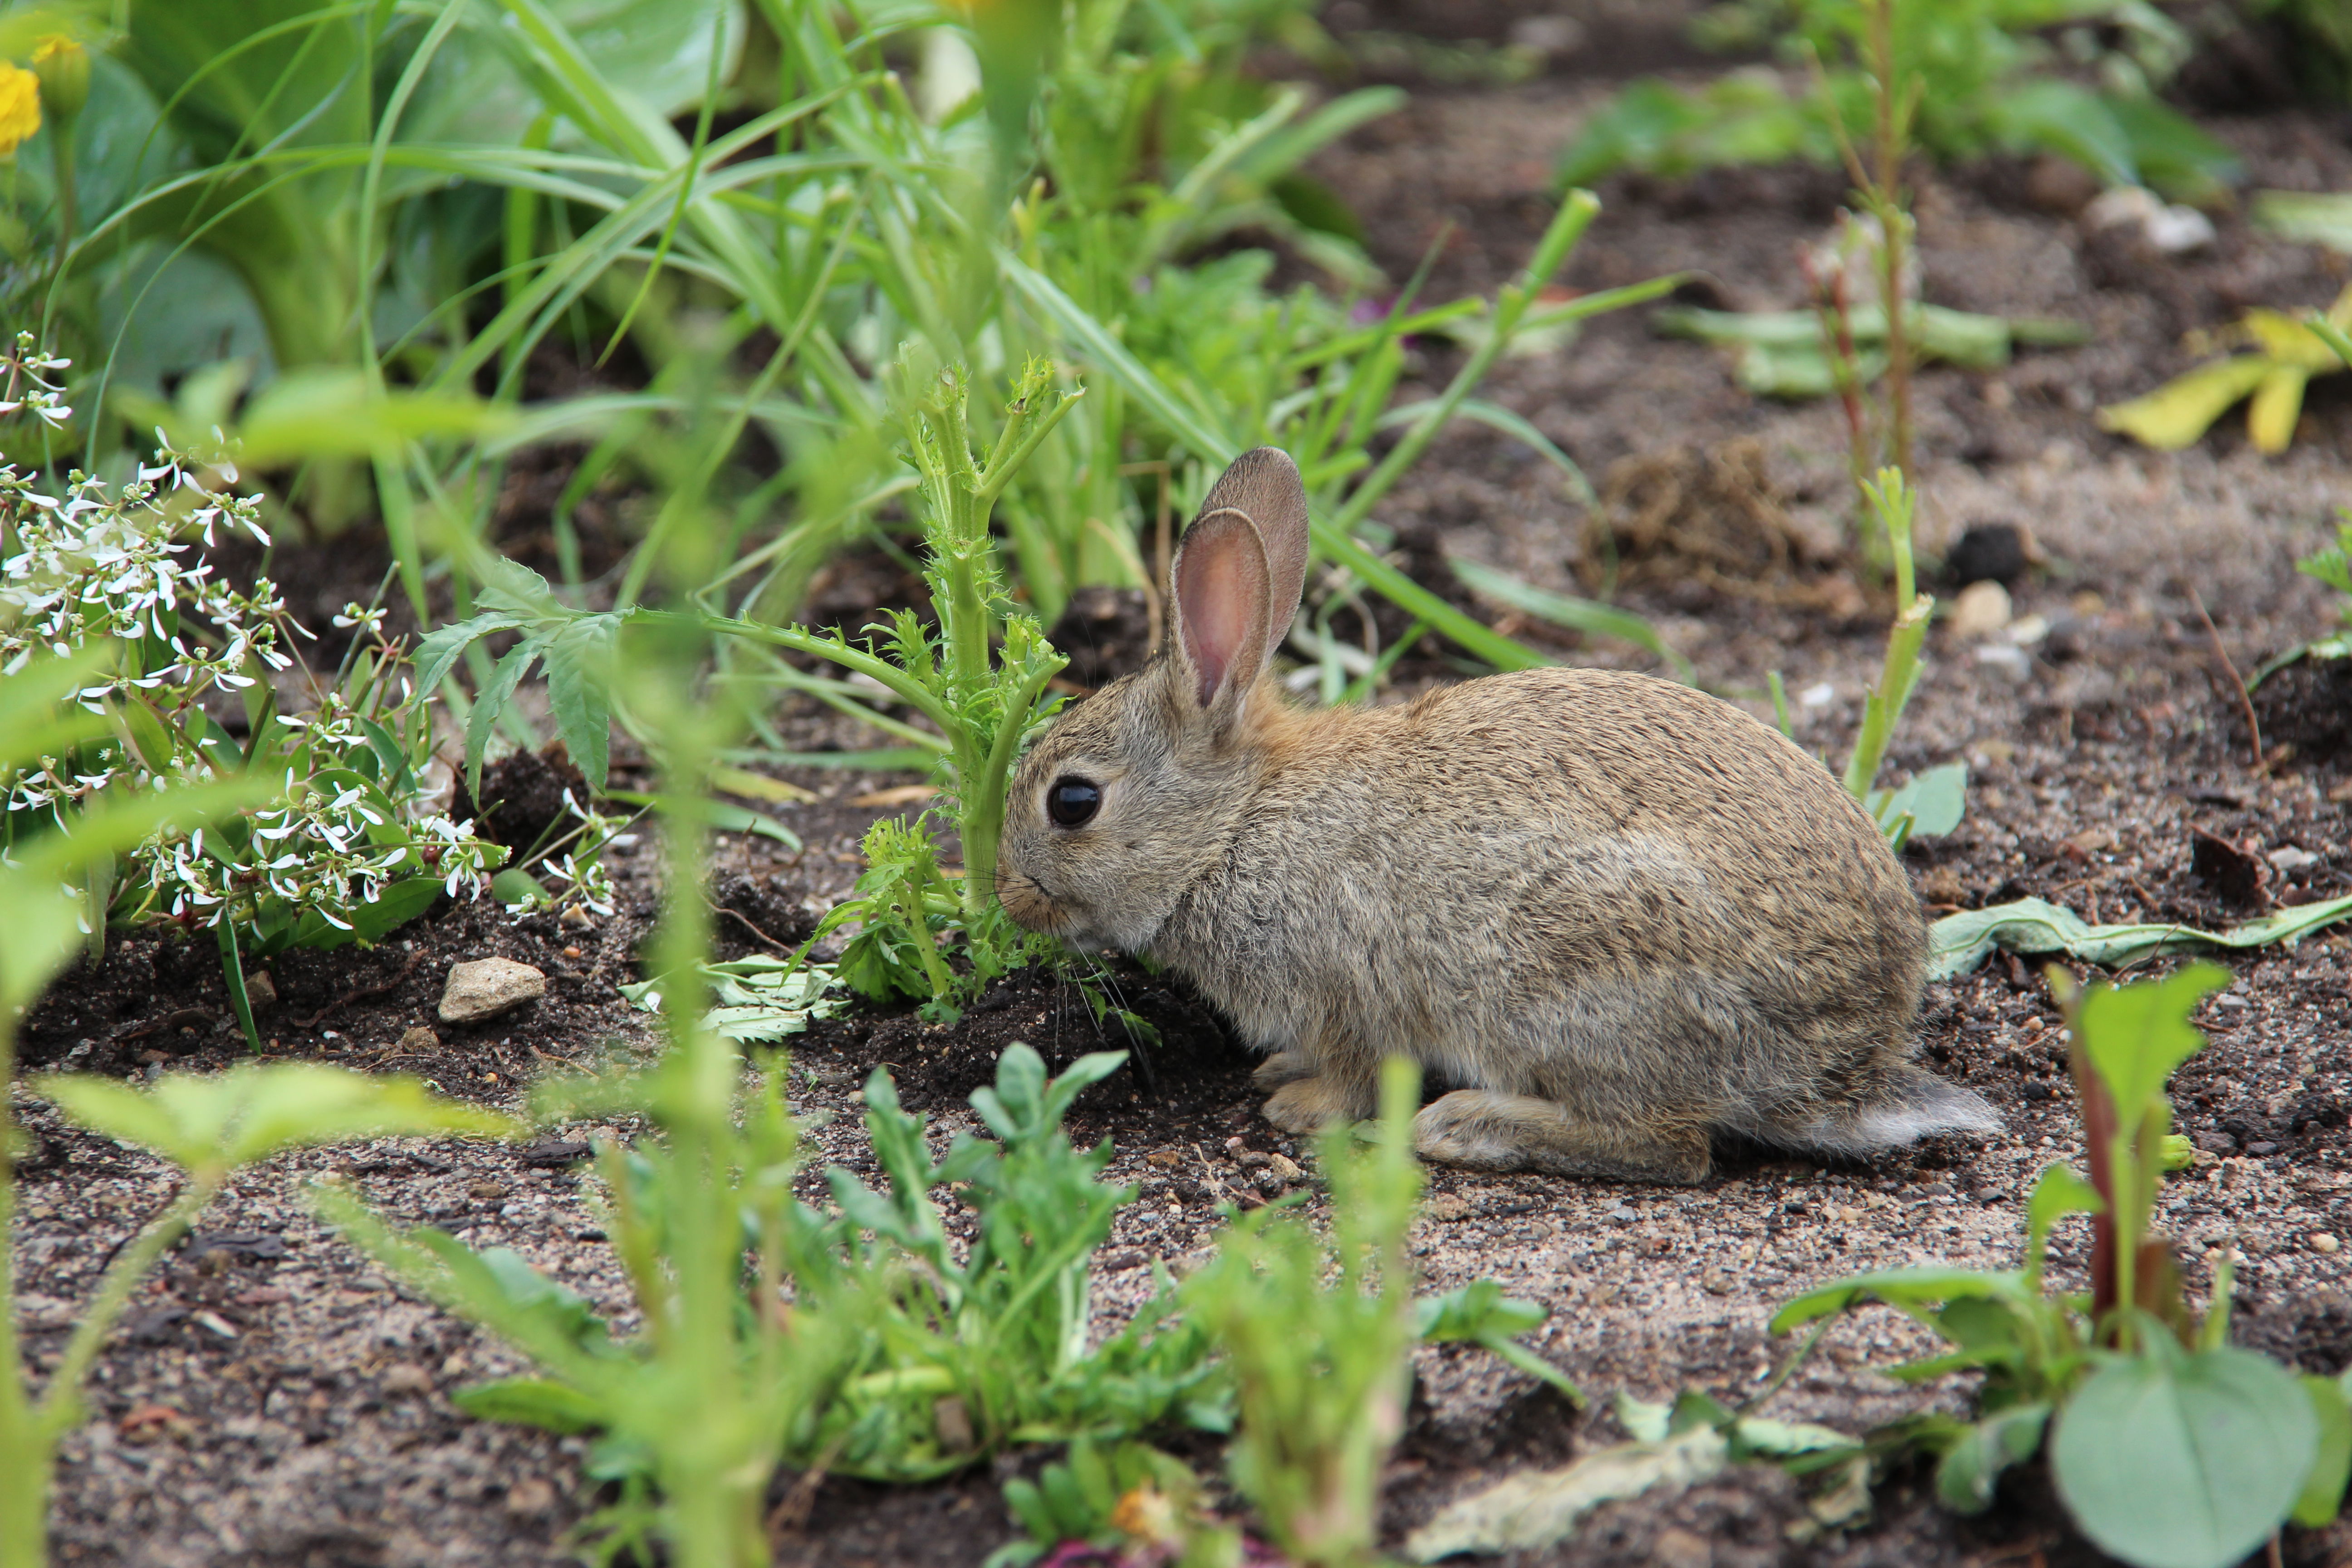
(274, 1400)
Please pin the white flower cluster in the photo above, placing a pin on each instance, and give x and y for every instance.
(577, 879)
(84, 565)
(43, 397)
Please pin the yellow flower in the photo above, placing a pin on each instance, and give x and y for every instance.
(63, 67)
(20, 106)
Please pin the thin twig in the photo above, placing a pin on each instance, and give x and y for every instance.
(2237, 683)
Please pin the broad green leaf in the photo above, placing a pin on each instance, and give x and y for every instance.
(1971, 1466)
(1935, 800)
(533, 1402)
(1958, 943)
(2331, 1464)
(2177, 414)
(579, 690)
(2068, 119)
(2136, 1034)
(334, 412)
(1896, 1287)
(253, 1111)
(2173, 1460)
(1481, 1314)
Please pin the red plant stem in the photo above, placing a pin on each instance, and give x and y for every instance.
(2099, 1131)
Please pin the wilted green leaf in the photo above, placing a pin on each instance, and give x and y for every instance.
(1958, 943)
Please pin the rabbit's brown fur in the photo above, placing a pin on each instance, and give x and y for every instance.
(1616, 915)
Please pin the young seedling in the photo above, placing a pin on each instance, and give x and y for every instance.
(2171, 1447)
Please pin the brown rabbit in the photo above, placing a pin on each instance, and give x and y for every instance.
(1614, 915)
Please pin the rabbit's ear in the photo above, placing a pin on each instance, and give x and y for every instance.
(1221, 592)
(1263, 485)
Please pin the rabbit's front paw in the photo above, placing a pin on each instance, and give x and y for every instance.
(1309, 1105)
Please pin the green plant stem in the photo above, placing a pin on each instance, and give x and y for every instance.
(983, 822)
(1886, 197)
(233, 975)
(1894, 503)
(61, 152)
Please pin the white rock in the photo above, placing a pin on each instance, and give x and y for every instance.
(2289, 859)
(2173, 230)
(1981, 610)
(2007, 661)
(1818, 695)
(487, 987)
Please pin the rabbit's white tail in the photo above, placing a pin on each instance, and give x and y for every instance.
(1908, 1104)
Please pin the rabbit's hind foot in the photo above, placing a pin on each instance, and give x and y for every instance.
(1486, 1130)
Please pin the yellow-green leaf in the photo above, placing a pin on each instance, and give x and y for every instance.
(2175, 414)
(2277, 404)
(2288, 341)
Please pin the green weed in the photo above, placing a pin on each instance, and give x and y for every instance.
(2170, 1447)
(1987, 78)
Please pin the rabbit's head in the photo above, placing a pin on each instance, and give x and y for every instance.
(1137, 788)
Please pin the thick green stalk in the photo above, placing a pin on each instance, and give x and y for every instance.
(60, 1405)
(983, 823)
(1888, 199)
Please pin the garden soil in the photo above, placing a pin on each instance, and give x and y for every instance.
(274, 1400)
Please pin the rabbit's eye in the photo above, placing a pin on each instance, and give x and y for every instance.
(1072, 802)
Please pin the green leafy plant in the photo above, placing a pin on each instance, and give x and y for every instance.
(353, 846)
(868, 1344)
(1135, 1503)
(980, 680)
(2171, 1447)
(1986, 78)
(1316, 1333)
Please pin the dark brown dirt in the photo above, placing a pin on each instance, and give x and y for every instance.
(315, 1429)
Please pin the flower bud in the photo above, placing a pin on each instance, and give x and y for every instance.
(63, 67)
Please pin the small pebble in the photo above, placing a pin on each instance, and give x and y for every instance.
(2323, 1242)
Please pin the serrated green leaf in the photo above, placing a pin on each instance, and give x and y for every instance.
(495, 694)
(439, 649)
(579, 690)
